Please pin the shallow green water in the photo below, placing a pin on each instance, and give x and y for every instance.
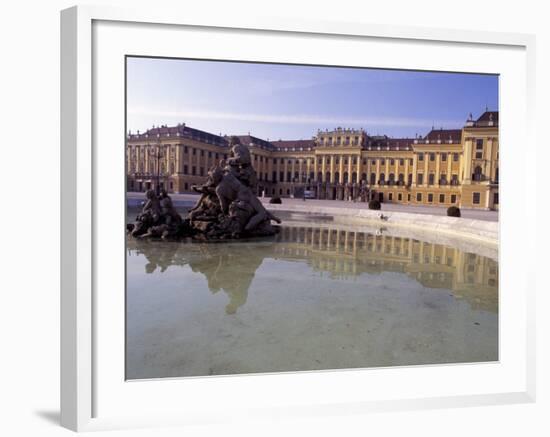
(310, 298)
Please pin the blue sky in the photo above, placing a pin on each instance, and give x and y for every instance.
(274, 101)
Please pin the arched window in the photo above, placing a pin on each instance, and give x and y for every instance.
(364, 177)
(496, 175)
(327, 176)
(354, 177)
(373, 178)
(337, 177)
(319, 177)
(346, 177)
(382, 179)
(478, 175)
(392, 178)
(401, 178)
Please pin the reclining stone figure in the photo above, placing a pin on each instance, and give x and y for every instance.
(230, 189)
(149, 216)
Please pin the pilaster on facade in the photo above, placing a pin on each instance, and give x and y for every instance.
(426, 171)
(437, 170)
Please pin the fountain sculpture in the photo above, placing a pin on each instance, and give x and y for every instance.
(227, 207)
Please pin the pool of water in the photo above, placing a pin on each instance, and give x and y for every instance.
(313, 297)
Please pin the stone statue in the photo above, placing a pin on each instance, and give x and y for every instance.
(227, 207)
(207, 207)
(151, 206)
(149, 216)
(240, 164)
(240, 211)
(158, 218)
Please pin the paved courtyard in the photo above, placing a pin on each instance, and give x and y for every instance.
(415, 209)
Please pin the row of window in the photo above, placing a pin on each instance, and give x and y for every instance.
(202, 152)
(347, 141)
(431, 156)
(194, 152)
(297, 177)
(289, 177)
(419, 197)
(476, 198)
(261, 158)
(431, 179)
(193, 170)
(392, 161)
(430, 198)
(419, 179)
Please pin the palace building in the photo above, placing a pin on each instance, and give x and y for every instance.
(445, 167)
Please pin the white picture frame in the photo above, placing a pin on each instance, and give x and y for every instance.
(85, 174)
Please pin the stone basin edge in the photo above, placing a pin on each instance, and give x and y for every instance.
(482, 231)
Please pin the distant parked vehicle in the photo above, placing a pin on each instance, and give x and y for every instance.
(308, 194)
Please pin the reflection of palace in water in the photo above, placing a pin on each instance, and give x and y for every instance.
(343, 254)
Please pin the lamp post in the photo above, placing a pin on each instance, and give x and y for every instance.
(157, 154)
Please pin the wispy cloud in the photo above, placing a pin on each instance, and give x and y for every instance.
(302, 79)
(303, 119)
(294, 82)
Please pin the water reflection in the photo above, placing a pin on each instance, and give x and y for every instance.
(342, 254)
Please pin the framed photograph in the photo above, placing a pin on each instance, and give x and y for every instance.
(276, 219)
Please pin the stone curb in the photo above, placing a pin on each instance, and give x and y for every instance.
(479, 230)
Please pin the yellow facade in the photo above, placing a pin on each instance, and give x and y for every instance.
(446, 167)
